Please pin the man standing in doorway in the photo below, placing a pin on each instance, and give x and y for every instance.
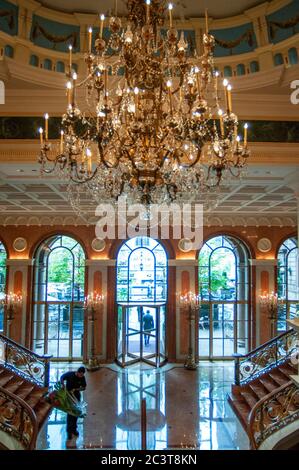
(148, 326)
(75, 382)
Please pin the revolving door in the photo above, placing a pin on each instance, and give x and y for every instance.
(141, 333)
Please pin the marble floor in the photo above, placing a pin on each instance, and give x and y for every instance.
(185, 409)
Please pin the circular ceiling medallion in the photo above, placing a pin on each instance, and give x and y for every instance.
(98, 244)
(20, 244)
(185, 245)
(264, 245)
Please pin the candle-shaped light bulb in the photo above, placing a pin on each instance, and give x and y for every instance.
(136, 93)
(229, 96)
(102, 17)
(41, 135)
(245, 134)
(69, 87)
(148, 2)
(89, 161)
(220, 113)
(207, 21)
(238, 139)
(47, 125)
(170, 8)
(61, 141)
(71, 56)
(169, 85)
(89, 39)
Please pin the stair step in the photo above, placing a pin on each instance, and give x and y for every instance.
(259, 390)
(250, 398)
(14, 385)
(5, 379)
(33, 398)
(278, 377)
(268, 383)
(42, 410)
(25, 391)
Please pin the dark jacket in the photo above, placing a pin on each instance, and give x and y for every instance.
(73, 382)
(148, 322)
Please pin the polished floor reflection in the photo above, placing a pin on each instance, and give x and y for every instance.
(185, 409)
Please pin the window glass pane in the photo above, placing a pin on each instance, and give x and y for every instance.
(59, 281)
(2, 282)
(141, 271)
(223, 281)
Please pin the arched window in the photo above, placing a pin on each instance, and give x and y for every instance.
(223, 287)
(142, 271)
(3, 257)
(48, 64)
(254, 66)
(227, 71)
(240, 69)
(60, 67)
(278, 59)
(293, 56)
(59, 298)
(34, 61)
(288, 282)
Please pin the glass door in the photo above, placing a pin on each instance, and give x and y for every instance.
(141, 334)
(223, 329)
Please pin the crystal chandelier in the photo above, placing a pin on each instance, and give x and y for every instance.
(155, 126)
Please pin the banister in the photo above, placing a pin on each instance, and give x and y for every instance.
(251, 365)
(20, 346)
(275, 394)
(18, 432)
(38, 366)
(264, 345)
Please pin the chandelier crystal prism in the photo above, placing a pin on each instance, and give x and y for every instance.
(155, 124)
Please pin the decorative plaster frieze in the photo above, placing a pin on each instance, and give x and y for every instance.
(19, 263)
(215, 220)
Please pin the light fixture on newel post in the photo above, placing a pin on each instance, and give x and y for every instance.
(191, 302)
(92, 303)
(155, 124)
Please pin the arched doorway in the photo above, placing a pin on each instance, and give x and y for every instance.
(287, 282)
(3, 257)
(58, 298)
(141, 299)
(224, 326)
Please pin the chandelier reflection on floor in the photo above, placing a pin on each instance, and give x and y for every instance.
(156, 125)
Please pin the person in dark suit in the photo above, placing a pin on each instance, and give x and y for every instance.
(75, 382)
(148, 326)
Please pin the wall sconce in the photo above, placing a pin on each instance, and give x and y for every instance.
(192, 302)
(91, 303)
(271, 302)
(11, 302)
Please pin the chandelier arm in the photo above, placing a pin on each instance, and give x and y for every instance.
(85, 180)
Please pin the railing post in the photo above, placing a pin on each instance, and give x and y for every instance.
(47, 370)
(143, 424)
(237, 358)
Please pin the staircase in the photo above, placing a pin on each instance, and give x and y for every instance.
(24, 379)
(264, 397)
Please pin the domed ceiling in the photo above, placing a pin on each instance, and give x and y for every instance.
(183, 8)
